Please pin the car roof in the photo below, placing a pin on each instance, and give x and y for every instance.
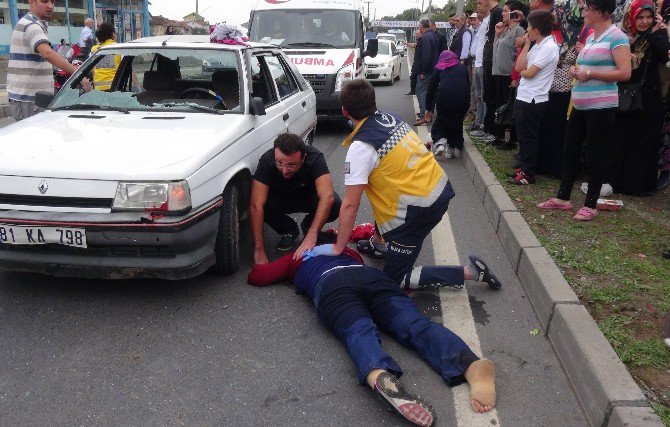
(185, 41)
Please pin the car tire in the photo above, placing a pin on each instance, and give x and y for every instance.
(391, 80)
(310, 138)
(227, 247)
(399, 73)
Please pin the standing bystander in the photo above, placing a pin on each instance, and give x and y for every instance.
(31, 59)
(536, 67)
(495, 16)
(478, 124)
(427, 57)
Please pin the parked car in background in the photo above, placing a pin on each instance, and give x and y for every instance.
(386, 66)
(121, 184)
(399, 45)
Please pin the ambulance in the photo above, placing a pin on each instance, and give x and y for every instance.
(324, 39)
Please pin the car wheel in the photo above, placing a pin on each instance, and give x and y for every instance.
(399, 73)
(310, 138)
(391, 80)
(227, 247)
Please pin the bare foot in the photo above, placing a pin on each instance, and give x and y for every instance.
(481, 377)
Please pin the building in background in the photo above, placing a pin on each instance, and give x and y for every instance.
(130, 17)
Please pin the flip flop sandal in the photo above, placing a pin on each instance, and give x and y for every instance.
(585, 214)
(367, 247)
(411, 407)
(484, 273)
(550, 204)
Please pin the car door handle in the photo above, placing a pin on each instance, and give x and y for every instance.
(304, 103)
(285, 116)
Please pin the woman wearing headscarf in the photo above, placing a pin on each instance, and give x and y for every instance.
(633, 157)
(449, 90)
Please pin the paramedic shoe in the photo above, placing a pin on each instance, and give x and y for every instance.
(286, 241)
(413, 408)
(483, 273)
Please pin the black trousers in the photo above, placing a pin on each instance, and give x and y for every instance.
(527, 118)
(592, 129)
(501, 85)
(489, 96)
(412, 82)
(279, 205)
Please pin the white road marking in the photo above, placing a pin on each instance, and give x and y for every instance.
(457, 316)
(456, 311)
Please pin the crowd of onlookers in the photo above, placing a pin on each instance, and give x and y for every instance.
(573, 84)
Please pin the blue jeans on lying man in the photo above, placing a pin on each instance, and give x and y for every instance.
(354, 302)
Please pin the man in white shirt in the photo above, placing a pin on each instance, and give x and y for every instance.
(536, 67)
(480, 39)
(473, 24)
(86, 32)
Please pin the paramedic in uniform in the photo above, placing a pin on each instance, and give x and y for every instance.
(408, 190)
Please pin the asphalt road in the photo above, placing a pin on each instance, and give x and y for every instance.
(215, 351)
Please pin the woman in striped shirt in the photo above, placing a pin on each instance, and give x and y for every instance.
(604, 60)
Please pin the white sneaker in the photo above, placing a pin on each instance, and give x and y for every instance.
(439, 149)
(449, 153)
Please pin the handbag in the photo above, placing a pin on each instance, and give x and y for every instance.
(630, 94)
(504, 115)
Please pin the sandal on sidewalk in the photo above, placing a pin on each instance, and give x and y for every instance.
(368, 247)
(421, 122)
(585, 214)
(551, 204)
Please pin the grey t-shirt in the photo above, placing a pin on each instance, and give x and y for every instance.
(504, 51)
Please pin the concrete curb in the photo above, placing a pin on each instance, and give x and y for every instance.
(601, 381)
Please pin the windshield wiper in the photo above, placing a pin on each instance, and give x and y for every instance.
(190, 105)
(312, 44)
(91, 107)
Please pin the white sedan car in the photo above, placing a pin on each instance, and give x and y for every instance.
(150, 178)
(386, 66)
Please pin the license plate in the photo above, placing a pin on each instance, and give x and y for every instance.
(21, 235)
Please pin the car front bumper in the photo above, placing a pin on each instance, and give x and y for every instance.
(379, 73)
(119, 246)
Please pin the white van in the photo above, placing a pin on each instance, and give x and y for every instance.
(323, 38)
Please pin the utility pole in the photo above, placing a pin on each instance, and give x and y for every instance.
(430, 8)
(368, 3)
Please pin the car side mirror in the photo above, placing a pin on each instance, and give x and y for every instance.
(43, 99)
(373, 47)
(257, 106)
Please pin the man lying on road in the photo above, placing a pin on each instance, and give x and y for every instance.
(353, 300)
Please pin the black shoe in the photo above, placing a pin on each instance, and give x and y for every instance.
(484, 273)
(368, 247)
(410, 93)
(507, 146)
(663, 180)
(286, 241)
(413, 408)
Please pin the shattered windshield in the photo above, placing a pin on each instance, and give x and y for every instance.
(156, 79)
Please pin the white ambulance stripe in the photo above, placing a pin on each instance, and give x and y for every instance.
(457, 316)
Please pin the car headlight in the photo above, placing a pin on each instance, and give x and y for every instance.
(388, 64)
(152, 196)
(206, 63)
(344, 75)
